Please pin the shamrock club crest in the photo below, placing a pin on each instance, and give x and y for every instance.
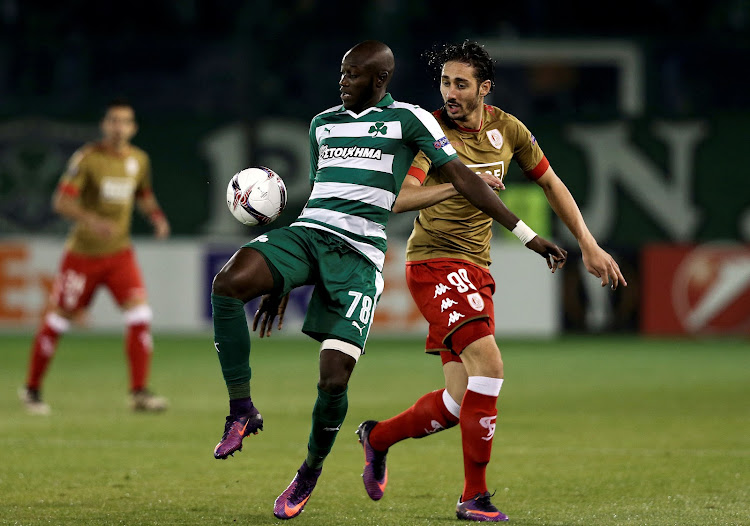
(378, 128)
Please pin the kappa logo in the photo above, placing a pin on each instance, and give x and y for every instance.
(147, 342)
(46, 345)
(358, 326)
(435, 427)
(260, 239)
(327, 152)
(447, 303)
(711, 289)
(489, 423)
(440, 289)
(454, 317)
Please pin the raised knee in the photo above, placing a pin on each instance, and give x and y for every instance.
(225, 285)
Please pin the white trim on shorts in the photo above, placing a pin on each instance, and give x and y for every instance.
(342, 346)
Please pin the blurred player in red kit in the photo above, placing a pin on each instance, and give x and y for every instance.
(97, 192)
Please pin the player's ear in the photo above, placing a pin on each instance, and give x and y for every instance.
(382, 78)
(484, 88)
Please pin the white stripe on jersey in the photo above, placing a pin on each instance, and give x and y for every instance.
(484, 165)
(332, 109)
(370, 252)
(384, 164)
(354, 224)
(354, 192)
(358, 129)
(429, 122)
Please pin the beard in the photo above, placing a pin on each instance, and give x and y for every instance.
(465, 109)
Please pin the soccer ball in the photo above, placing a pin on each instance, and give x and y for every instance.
(256, 196)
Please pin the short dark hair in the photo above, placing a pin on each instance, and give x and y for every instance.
(118, 102)
(467, 52)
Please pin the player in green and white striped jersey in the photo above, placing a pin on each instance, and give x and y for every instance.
(360, 153)
(358, 162)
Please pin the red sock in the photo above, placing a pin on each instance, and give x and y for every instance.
(428, 415)
(138, 344)
(478, 417)
(43, 349)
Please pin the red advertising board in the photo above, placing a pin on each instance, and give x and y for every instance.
(702, 289)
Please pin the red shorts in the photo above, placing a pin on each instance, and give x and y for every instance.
(81, 275)
(451, 293)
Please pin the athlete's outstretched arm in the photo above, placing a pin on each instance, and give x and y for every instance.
(481, 196)
(597, 261)
(414, 196)
(149, 207)
(467, 184)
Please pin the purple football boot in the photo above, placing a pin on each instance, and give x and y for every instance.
(292, 501)
(375, 474)
(235, 429)
(479, 509)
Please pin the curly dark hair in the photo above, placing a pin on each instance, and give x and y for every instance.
(467, 52)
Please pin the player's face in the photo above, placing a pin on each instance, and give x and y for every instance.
(118, 125)
(357, 84)
(462, 94)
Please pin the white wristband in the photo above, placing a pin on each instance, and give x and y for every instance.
(523, 232)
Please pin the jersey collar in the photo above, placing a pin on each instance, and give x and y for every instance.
(481, 123)
(386, 101)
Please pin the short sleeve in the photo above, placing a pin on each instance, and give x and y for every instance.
(420, 166)
(423, 129)
(145, 184)
(527, 152)
(74, 178)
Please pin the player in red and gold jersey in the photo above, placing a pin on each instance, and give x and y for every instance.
(97, 192)
(448, 257)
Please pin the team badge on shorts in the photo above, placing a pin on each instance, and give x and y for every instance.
(495, 138)
(476, 301)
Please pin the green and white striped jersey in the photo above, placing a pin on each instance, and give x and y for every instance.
(357, 165)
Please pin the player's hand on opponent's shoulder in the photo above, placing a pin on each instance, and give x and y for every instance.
(270, 306)
(602, 265)
(492, 180)
(554, 255)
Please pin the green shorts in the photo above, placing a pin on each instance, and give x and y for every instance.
(347, 286)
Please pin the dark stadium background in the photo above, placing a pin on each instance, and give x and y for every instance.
(261, 70)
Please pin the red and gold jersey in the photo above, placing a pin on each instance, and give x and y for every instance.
(106, 183)
(454, 228)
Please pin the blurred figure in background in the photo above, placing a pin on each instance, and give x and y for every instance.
(97, 193)
(447, 271)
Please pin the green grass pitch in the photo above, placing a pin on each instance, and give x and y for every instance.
(592, 431)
